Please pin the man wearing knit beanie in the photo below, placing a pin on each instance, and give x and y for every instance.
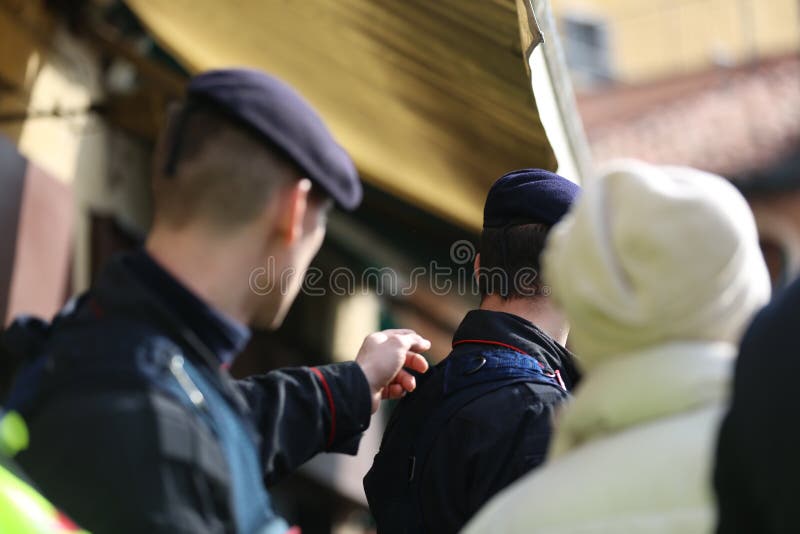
(658, 270)
(483, 417)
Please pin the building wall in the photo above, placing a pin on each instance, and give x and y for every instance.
(50, 74)
(648, 39)
(47, 89)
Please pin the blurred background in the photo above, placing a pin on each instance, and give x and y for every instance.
(714, 84)
(434, 100)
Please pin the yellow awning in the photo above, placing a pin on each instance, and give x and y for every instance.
(429, 97)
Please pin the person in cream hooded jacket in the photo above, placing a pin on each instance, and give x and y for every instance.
(659, 271)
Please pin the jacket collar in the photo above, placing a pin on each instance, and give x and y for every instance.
(639, 387)
(222, 335)
(516, 333)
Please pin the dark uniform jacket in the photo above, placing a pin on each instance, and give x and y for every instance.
(119, 455)
(757, 474)
(485, 444)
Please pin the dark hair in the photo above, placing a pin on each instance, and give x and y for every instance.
(509, 265)
(209, 165)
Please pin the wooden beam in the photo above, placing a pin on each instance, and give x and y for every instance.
(109, 41)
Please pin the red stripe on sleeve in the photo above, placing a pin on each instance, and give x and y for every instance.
(332, 406)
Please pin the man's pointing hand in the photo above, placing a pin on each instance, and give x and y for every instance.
(384, 356)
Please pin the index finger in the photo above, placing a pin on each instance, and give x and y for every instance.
(397, 331)
(415, 342)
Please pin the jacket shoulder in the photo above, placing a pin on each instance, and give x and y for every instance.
(505, 385)
(497, 408)
(155, 463)
(79, 354)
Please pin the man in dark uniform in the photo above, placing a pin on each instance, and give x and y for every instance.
(135, 425)
(483, 417)
(757, 472)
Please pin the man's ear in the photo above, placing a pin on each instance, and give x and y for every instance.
(293, 211)
(476, 266)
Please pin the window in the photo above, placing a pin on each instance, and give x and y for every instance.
(586, 45)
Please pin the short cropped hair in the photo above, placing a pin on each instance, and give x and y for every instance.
(209, 167)
(510, 261)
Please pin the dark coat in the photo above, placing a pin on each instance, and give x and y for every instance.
(757, 474)
(487, 443)
(118, 454)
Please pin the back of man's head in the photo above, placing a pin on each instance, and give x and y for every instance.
(239, 135)
(209, 169)
(509, 264)
(520, 209)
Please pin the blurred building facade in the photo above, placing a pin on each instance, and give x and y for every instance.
(635, 41)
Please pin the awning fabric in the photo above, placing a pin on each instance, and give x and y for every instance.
(430, 98)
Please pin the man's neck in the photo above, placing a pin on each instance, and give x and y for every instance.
(540, 311)
(214, 270)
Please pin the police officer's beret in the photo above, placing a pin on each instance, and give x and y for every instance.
(274, 111)
(528, 196)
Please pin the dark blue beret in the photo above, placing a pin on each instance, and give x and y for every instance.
(528, 196)
(274, 111)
